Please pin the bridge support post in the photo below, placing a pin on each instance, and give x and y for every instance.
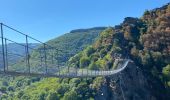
(6, 54)
(3, 51)
(41, 58)
(27, 54)
(45, 58)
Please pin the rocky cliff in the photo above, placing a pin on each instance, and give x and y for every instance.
(131, 84)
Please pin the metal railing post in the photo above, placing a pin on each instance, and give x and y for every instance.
(41, 58)
(3, 52)
(6, 54)
(27, 54)
(45, 58)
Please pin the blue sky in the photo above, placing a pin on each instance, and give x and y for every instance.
(47, 19)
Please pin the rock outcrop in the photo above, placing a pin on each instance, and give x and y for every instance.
(131, 84)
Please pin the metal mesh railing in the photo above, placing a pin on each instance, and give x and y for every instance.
(41, 60)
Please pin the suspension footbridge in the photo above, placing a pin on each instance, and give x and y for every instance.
(43, 61)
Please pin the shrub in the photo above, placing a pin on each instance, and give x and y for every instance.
(71, 95)
(93, 66)
(166, 72)
(52, 96)
(106, 33)
(116, 49)
(62, 89)
(94, 57)
(84, 62)
(97, 82)
(103, 52)
(89, 50)
(101, 64)
(146, 12)
(5, 83)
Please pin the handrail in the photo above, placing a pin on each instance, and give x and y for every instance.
(70, 75)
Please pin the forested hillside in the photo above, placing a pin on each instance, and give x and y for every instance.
(145, 40)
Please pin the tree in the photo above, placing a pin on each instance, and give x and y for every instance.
(4, 97)
(82, 89)
(84, 62)
(134, 51)
(93, 66)
(89, 50)
(20, 94)
(5, 83)
(168, 9)
(146, 59)
(26, 97)
(3, 89)
(97, 82)
(52, 96)
(41, 95)
(101, 63)
(62, 89)
(107, 33)
(11, 88)
(71, 95)
(166, 72)
(157, 58)
(116, 49)
(146, 12)
(94, 57)
(103, 52)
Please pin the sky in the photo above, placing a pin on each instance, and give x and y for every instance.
(48, 19)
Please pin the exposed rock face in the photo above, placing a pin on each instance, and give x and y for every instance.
(130, 84)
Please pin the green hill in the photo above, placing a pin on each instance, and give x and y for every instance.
(76, 40)
(70, 44)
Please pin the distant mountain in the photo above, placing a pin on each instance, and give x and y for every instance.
(88, 30)
(15, 48)
(15, 52)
